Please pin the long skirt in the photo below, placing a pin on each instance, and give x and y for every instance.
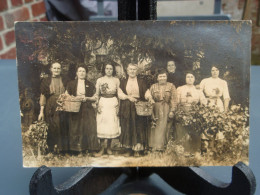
(216, 102)
(159, 135)
(134, 127)
(82, 129)
(193, 141)
(57, 138)
(108, 120)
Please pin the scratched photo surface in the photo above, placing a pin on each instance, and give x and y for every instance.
(122, 94)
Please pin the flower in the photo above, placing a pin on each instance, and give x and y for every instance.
(104, 87)
(188, 94)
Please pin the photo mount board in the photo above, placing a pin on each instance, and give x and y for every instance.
(193, 46)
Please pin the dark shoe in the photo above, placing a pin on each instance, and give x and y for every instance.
(127, 153)
(136, 154)
(74, 153)
(109, 151)
(146, 152)
(100, 153)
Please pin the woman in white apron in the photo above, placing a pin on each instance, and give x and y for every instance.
(107, 110)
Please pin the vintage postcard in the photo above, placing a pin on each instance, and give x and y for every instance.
(134, 93)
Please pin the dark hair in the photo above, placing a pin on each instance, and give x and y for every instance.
(216, 66)
(161, 71)
(55, 63)
(174, 59)
(104, 67)
(81, 66)
(189, 72)
(131, 64)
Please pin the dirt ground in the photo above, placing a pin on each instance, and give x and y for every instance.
(174, 155)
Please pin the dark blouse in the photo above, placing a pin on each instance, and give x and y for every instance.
(73, 85)
(45, 86)
(177, 78)
(141, 84)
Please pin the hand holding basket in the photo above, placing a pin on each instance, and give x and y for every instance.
(144, 108)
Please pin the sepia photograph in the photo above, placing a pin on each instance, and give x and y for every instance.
(134, 93)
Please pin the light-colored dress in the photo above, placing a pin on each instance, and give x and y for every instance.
(186, 96)
(214, 89)
(165, 98)
(107, 117)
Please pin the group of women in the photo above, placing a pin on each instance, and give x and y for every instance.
(108, 109)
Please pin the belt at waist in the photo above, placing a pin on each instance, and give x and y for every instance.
(214, 98)
(108, 95)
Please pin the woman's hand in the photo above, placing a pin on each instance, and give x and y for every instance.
(94, 105)
(171, 115)
(99, 110)
(92, 99)
(41, 117)
(151, 101)
(226, 104)
(132, 99)
(84, 99)
(117, 110)
(197, 87)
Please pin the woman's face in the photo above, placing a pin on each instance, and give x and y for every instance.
(119, 71)
(214, 72)
(109, 70)
(81, 73)
(171, 67)
(55, 69)
(132, 71)
(190, 79)
(162, 78)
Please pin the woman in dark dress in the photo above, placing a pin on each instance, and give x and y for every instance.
(133, 127)
(51, 88)
(82, 124)
(174, 75)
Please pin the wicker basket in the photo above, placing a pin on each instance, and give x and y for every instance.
(71, 106)
(144, 108)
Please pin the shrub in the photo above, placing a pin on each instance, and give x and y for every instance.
(229, 131)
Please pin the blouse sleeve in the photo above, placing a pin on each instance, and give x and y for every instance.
(97, 94)
(121, 95)
(173, 98)
(42, 100)
(202, 85)
(93, 89)
(68, 88)
(147, 94)
(202, 97)
(225, 91)
(152, 90)
(43, 89)
(178, 95)
(117, 83)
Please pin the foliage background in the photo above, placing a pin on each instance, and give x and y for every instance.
(193, 45)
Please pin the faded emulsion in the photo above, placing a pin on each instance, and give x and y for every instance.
(146, 93)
